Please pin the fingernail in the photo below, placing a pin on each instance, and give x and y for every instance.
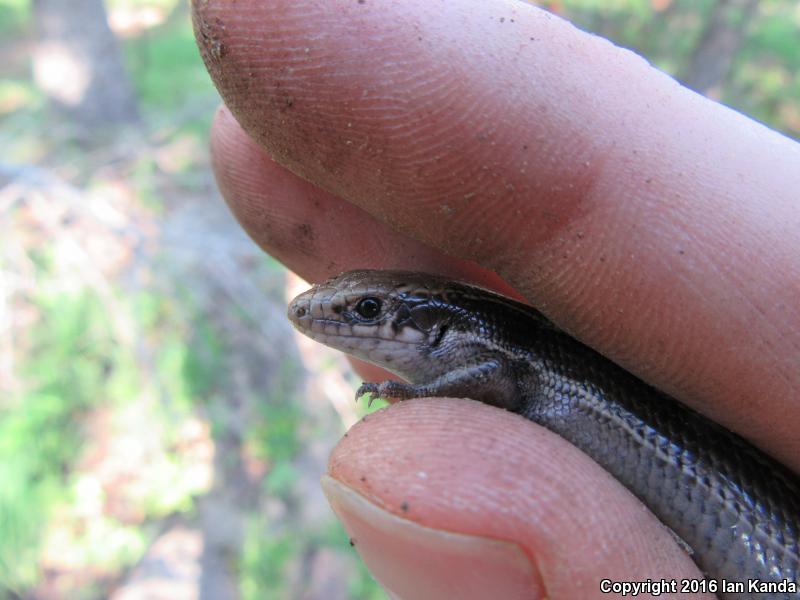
(415, 562)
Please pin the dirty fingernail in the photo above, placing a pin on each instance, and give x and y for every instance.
(415, 562)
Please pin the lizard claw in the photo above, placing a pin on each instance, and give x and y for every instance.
(369, 389)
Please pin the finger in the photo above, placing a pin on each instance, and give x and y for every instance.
(657, 226)
(311, 231)
(447, 497)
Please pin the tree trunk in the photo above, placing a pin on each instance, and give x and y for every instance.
(78, 63)
(719, 44)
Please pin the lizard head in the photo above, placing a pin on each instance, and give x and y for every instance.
(390, 318)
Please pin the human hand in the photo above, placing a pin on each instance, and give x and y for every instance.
(471, 138)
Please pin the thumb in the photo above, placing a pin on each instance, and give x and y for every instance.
(451, 498)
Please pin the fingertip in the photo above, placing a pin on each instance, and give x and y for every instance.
(414, 561)
(463, 467)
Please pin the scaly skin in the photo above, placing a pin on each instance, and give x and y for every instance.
(737, 509)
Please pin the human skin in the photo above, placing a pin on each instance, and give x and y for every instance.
(493, 142)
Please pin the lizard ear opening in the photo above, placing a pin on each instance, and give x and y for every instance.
(440, 333)
(423, 317)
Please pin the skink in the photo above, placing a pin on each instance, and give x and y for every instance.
(737, 509)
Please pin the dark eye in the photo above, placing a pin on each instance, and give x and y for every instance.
(369, 308)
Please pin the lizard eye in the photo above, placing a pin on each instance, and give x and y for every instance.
(368, 307)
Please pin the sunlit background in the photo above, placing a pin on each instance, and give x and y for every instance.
(162, 430)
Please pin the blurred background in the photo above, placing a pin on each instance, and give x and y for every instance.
(162, 430)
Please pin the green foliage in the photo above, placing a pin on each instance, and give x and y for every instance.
(273, 433)
(775, 40)
(204, 358)
(190, 357)
(143, 179)
(76, 362)
(764, 81)
(281, 479)
(263, 563)
(362, 586)
(26, 497)
(14, 14)
(71, 350)
(167, 69)
(268, 557)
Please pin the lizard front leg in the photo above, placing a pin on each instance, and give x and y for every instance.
(490, 381)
